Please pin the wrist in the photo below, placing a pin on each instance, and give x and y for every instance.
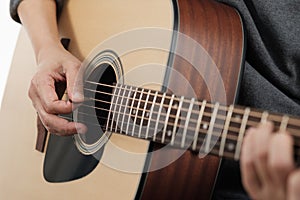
(48, 50)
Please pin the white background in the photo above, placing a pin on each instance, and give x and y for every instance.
(8, 36)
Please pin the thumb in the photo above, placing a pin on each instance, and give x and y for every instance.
(74, 82)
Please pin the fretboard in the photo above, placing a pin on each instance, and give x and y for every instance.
(187, 123)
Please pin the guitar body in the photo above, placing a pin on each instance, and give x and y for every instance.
(207, 65)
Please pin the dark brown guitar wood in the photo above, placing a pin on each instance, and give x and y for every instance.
(218, 28)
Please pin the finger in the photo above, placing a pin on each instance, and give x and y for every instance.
(43, 90)
(62, 127)
(293, 185)
(250, 178)
(57, 125)
(281, 161)
(74, 82)
(53, 123)
(260, 150)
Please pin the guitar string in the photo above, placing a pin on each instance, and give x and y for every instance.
(201, 131)
(203, 122)
(219, 117)
(200, 141)
(206, 114)
(216, 125)
(160, 94)
(140, 93)
(162, 123)
(186, 100)
(232, 134)
(256, 114)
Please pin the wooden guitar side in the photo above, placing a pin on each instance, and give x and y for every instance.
(218, 28)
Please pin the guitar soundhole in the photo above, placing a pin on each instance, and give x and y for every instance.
(94, 111)
(100, 76)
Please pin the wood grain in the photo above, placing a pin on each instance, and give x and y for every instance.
(218, 29)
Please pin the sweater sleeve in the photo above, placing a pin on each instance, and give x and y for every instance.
(13, 8)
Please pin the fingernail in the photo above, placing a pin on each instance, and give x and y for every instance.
(81, 130)
(77, 97)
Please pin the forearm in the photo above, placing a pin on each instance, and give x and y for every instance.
(39, 20)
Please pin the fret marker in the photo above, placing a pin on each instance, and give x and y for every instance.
(169, 133)
(237, 118)
(175, 106)
(230, 146)
(133, 111)
(205, 126)
(147, 114)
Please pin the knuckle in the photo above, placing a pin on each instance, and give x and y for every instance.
(262, 155)
(251, 130)
(61, 131)
(30, 93)
(65, 131)
(33, 84)
(248, 162)
(51, 130)
(74, 64)
(279, 166)
(47, 126)
(48, 108)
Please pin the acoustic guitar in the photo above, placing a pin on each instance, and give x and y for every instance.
(160, 81)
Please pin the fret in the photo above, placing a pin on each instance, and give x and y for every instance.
(125, 109)
(176, 120)
(143, 113)
(284, 123)
(109, 113)
(150, 115)
(241, 133)
(166, 114)
(187, 120)
(121, 102)
(211, 127)
(198, 124)
(158, 116)
(167, 118)
(131, 106)
(137, 111)
(225, 130)
(115, 108)
(264, 117)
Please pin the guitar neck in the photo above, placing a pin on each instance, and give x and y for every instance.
(186, 123)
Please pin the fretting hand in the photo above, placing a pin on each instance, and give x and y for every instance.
(267, 165)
